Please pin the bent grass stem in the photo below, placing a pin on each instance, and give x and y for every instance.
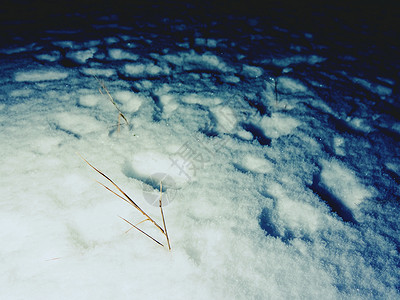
(129, 200)
(120, 114)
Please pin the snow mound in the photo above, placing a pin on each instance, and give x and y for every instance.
(76, 124)
(278, 124)
(199, 99)
(290, 85)
(145, 164)
(226, 118)
(297, 59)
(252, 71)
(119, 54)
(90, 100)
(140, 70)
(131, 102)
(51, 57)
(98, 72)
(256, 164)
(194, 61)
(344, 184)
(81, 56)
(39, 75)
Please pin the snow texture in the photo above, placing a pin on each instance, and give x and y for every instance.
(279, 157)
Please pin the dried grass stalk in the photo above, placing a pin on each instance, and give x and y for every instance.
(163, 219)
(106, 91)
(129, 200)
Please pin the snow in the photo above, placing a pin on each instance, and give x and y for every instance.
(278, 125)
(193, 61)
(279, 161)
(343, 184)
(131, 102)
(81, 56)
(88, 100)
(40, 75)
(121, 54)
(53, 56)
(252, 71)
(297, 59)
(291, 85)
(98, 72)
(139, 70)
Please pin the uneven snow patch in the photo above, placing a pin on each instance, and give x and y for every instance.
(145, 164)
(21, 93)
(98, 72)
(297, 59)
(169, 103)
(339, 144)
(278, 124)
(257, 164)
(131, 102)
(193, 61)
(375, 88)
(39, 75)
(138, 70)
(226, 118)
(75, 124)
(252, 71)
(81, 56)
(290, 85)
(46, 145)
(244, 134)
(202, 100)
(230, 79)
(211, 43)
(119, 54)
(298, 217)
(53, 56)
(343, 183)
(90, 100)
(359, 124)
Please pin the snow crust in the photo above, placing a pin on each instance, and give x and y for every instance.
(40, 75)
(280, 171)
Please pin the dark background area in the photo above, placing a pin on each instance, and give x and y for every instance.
(380, 19)
(369, 30)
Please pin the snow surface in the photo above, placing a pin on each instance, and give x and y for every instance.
(276, 185)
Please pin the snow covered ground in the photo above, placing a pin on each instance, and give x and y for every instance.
(279, 157)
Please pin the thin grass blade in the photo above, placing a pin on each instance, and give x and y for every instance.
(142, 231)
(163, 219)
(128, 199)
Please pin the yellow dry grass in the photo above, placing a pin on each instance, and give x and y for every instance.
(103, 90)
(129, 200)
